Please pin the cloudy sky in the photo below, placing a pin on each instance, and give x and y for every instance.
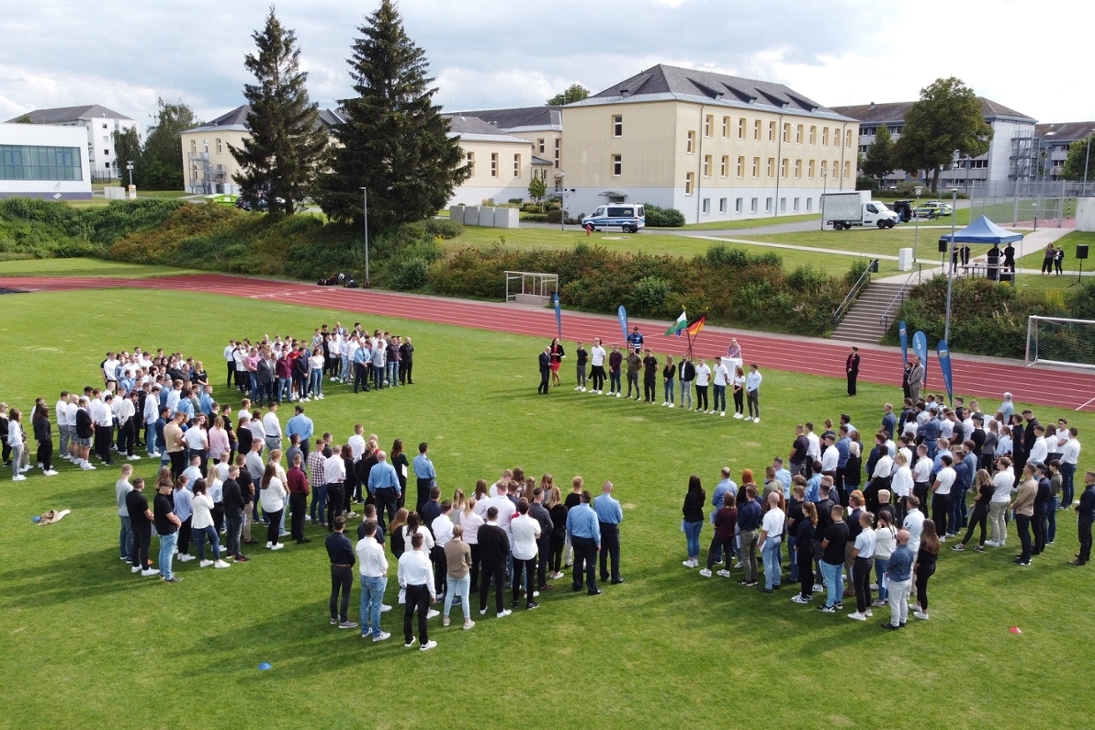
(489, 53)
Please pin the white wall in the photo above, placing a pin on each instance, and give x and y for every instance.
(1085, 214)
(47, 136)
(584, 200)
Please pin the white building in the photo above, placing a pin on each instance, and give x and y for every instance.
(39, 161)
(500, 164)
(101, 123)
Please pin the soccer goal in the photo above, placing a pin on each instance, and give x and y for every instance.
(1058, 341)
(531, 287)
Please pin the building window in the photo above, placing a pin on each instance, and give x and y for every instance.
(783, 205)
(194, 146)
(756, 167)
(726, 127)
(106, 153)
(798, 134)
(618, 126)
(739, 205)
(741, 128)
(825, 136)
(767, 205)
(756, 129)
(31, 162)
(724, 166)
(848, 138)
(847, 170)
(689, 183)
(494, 164)
(471, 163)
(787, 132)
(722, 205)
(706, 206)
(836, 138)
(771, 167)
(104, 125)
(824, 168)
(617, 165)
(517, 165)
(220, 147)
(784, 167)
(558, 151)
(708, 123)
(753, 205)
(707, 165)
(106, 138)
(798, 169)
(813, 134)
(771, 131)
(690, 143)
(540, 145)
(741, 167)
(810, 169)
(809, 204)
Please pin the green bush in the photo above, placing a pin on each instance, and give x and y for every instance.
(649, 296)
(536, 217)
(722, 255)
(807, 279)
(444, 227)
(407, 274)
(658, 217)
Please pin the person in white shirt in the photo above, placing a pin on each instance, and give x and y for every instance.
(197, 444)
(66, 427)
(914, 523)
(415, 575)
(752, 392)
(597, 357)
(272, 426)
(771, 537)
(150, 416)
(722, 379)
(1002, 484)
(272, 496)
(703, 377)
(373, 567)
(901, 484)
(941, 496)
(441, 527)
(813, 451)
(526, 531)
(202, 526)
(863, 553)
(1070, 457)
(505, 508)
(334, 473)
(1039, 450)
(830, 456)
(357, 442)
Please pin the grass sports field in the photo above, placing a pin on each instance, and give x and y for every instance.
(86, 643)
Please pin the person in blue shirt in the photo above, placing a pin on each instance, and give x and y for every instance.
(300, 425)
(783, 476)
(752, 392)
(724, 487)
(425, 474)
(635, 340)
(963, 480)
(384, 486)
(205, 401)
(749, 517)
(899, 575)
(813, 486)
(889, 421)
(843, 452)
(585, 538)
(184, 405)
(363, 359)
(609, 517)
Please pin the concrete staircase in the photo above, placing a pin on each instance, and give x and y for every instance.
(862, 322)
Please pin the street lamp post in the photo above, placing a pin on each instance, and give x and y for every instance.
(559, 176)
(950, 274)
(365, 219)
(1087, 160)
(129, 166)
(916, 226)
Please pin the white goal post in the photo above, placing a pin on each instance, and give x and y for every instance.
(1060, 341)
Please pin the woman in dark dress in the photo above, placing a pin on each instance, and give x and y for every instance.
(924, 567)
(558, 512)
(398, 459)
(395, 532)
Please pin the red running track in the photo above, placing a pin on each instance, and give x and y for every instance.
(1036, 385)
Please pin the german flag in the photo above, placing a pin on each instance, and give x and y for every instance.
(695, 327)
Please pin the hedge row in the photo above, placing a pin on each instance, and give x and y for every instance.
(990, 319)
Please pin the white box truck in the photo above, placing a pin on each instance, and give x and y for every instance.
(855, 208)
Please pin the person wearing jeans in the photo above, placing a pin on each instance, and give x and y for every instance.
(749, 521)
(1002, 482)
(899, 574)
(1024, 511)
(692, 523)
(832, 558)
(771, 537)
(669, 374)
(373, 568)
(1070, 455)
(121, 489)
(458, 562)
(167, 527)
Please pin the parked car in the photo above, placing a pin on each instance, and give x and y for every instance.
(933, 209)
(628, 217)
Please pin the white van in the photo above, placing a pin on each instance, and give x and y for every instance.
(627, 217)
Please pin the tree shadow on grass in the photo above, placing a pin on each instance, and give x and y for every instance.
(76, 577)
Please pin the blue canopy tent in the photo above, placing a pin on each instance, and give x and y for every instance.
(983, 231)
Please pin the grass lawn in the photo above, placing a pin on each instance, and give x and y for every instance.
(85, 643)
(749, 223)
(862, 240)
(84, 267)
(650, 243)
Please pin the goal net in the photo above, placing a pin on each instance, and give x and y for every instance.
(1057, 341)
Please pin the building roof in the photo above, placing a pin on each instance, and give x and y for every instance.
(236, 120)
(896, 111)
(672, 83)
(522, 119)
(474, 129)
(1065, 131)
(66, 114)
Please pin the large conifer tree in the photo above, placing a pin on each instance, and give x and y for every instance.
(286, 142)
(395, 141)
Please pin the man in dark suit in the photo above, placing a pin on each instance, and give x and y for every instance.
(851, 367)
(545, 371)
(493, 553)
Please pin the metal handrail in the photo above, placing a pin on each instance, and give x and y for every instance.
(899, 298)
(853, 293)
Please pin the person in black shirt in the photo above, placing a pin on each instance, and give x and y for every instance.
(545, 371)
(804, 549)
(1085, 515)
(1041, 507)
(798, 459)
(341, 552)
(234, 505)
(167, 527)
(832, 560)
(924, 567)
(583, 359)
(851, 369)
(493, 553)
(650, 377)
(140, 519)
(824, 519)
